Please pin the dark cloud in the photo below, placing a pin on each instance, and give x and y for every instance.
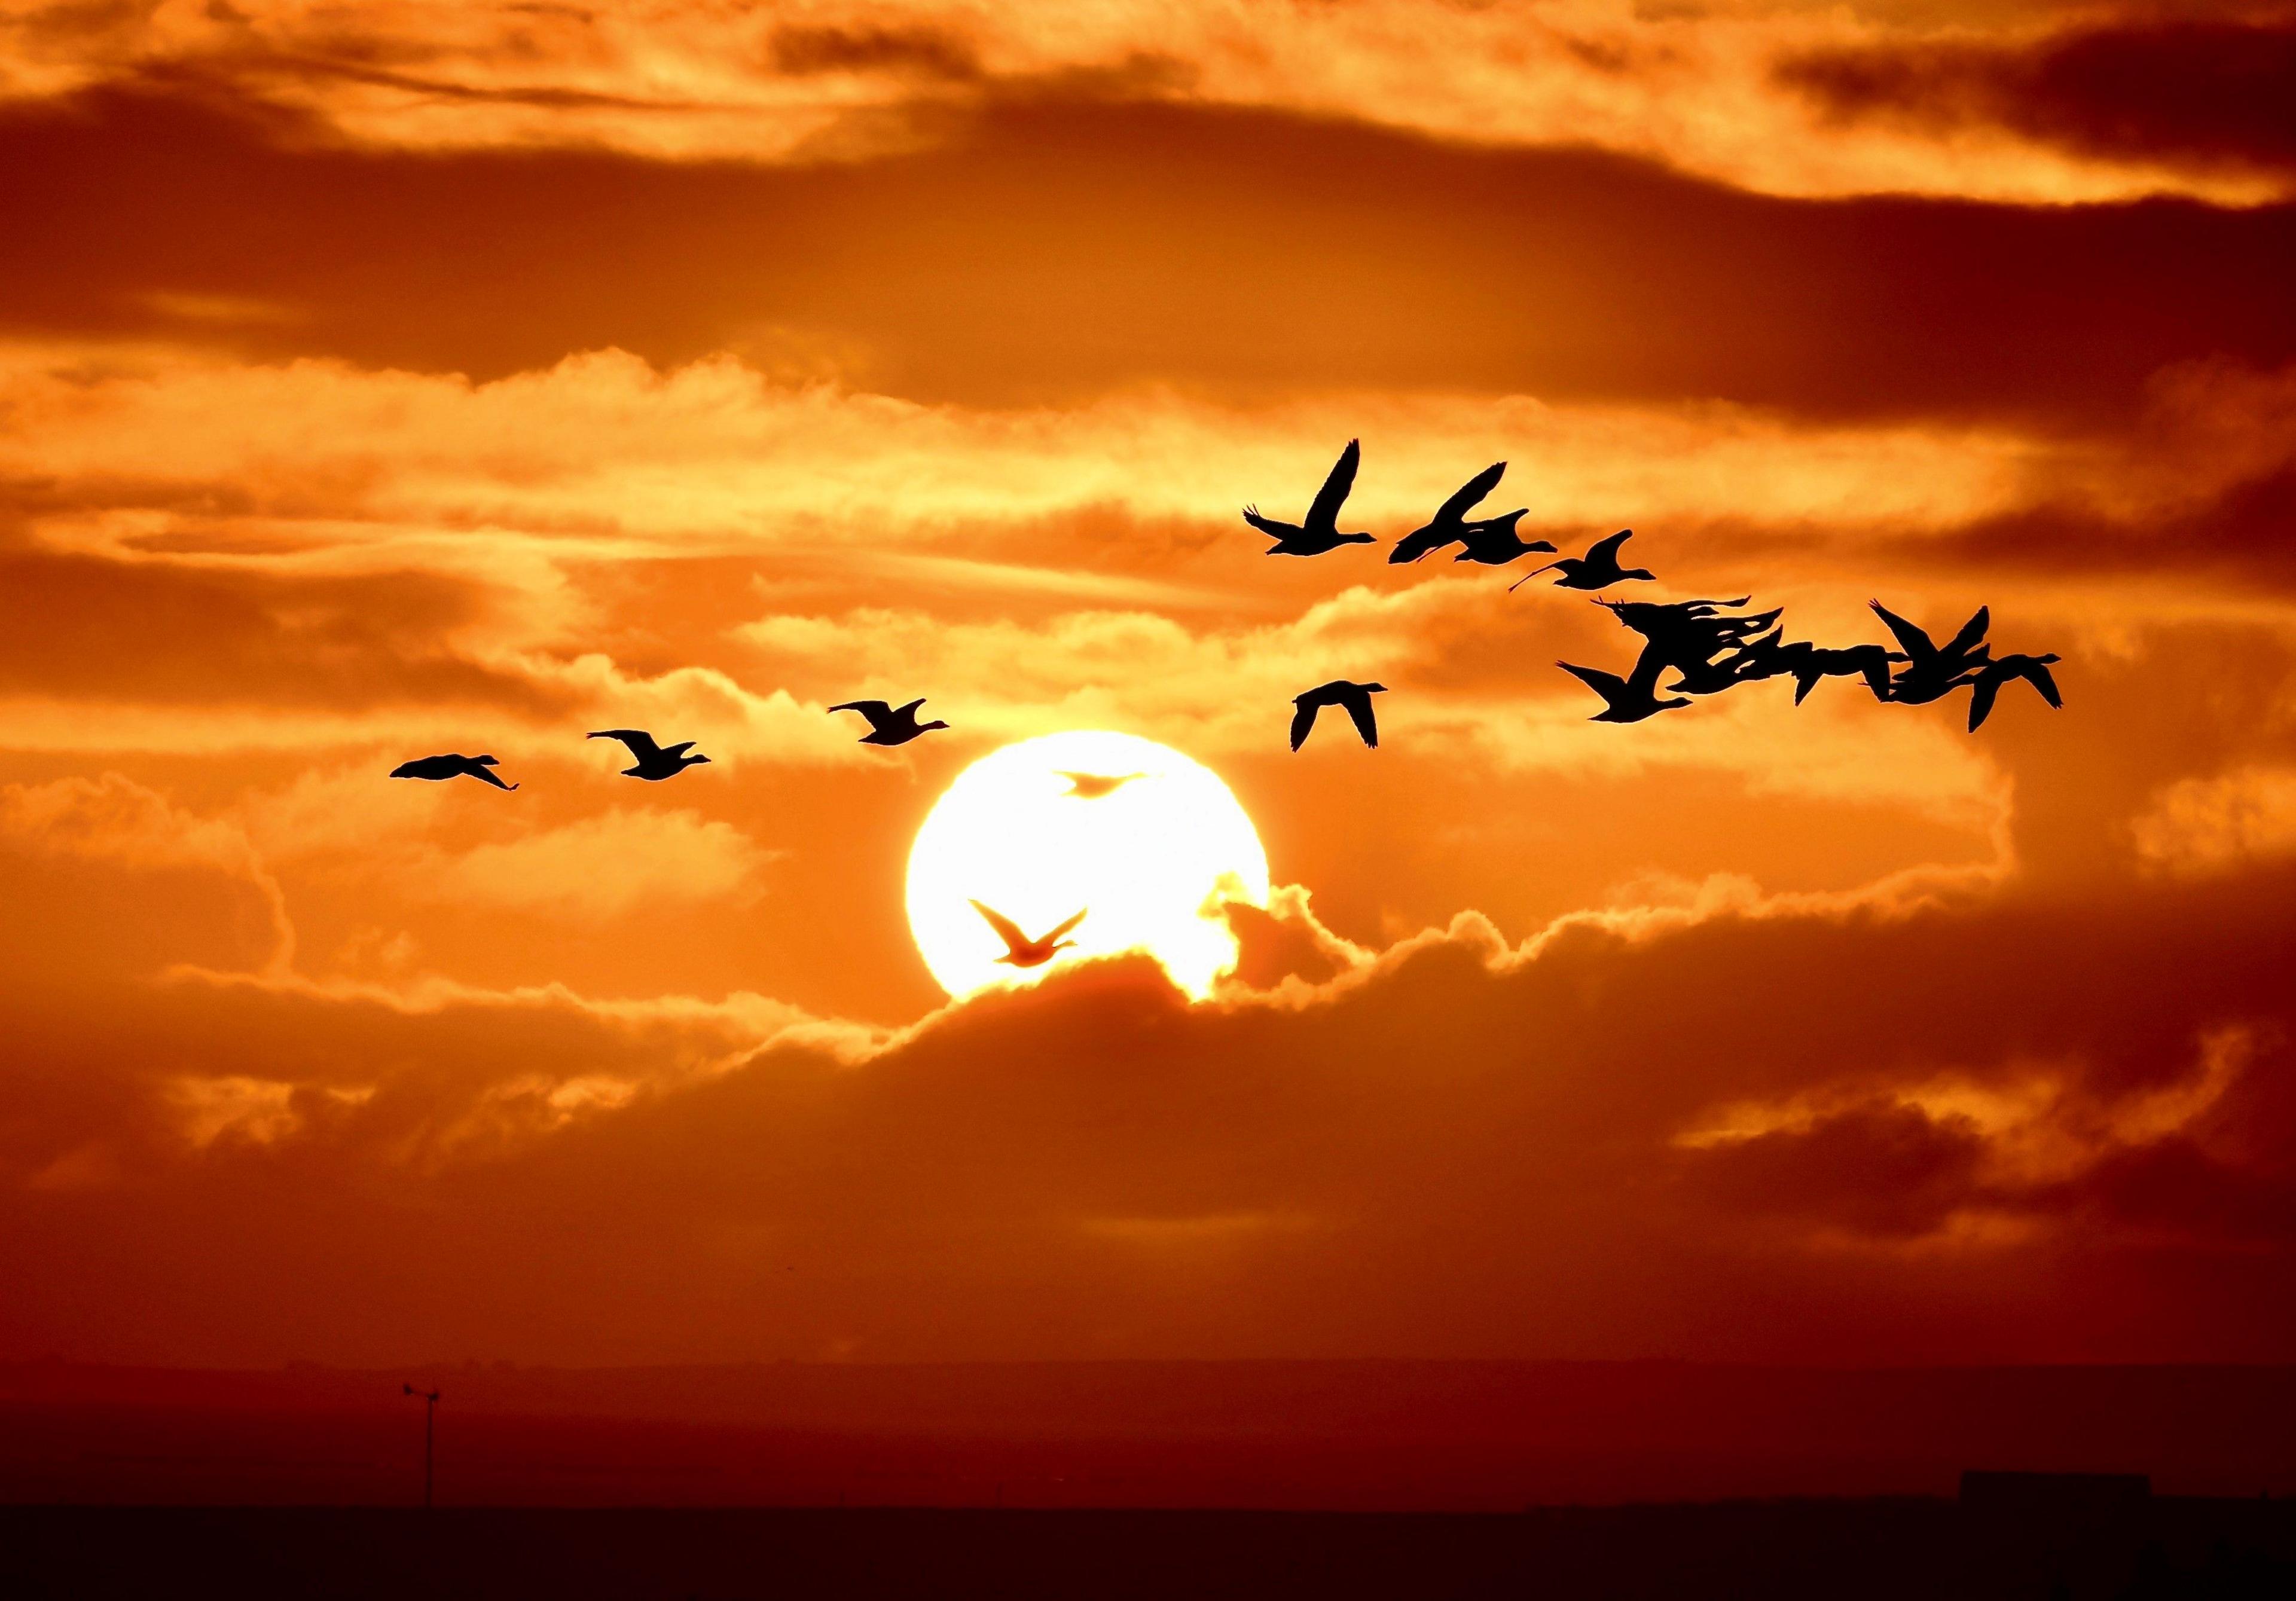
(2207, 92)
(922, 52)
(1241, 251)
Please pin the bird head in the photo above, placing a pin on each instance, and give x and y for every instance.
(1355, 539)
(1368, 688)
(691, 761)
(935, 724)
(486, 761)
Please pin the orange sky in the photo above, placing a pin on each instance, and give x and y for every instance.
(396, 377)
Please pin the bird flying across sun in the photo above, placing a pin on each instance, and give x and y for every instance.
(438, 768)
(1096, 786)
(1338, 691)
(1321, 532)
(655, 762)
(889, 725)
(1022, 951)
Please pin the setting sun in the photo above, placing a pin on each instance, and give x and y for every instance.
(1143, 840)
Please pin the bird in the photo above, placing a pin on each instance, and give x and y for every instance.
(1338, 691)
(2002, 670)
(655, 762)
(1321, 532)
(1932, 671)
(1020, 951)
(1494, 543)
(889, 725)
(1598, 568)
(435, 767)
(1450, 525)
(1624, 700)
(1870, 662)
(1096, 786)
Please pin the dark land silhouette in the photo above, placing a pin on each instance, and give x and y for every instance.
(438, 768)
(1354, 698)
(655, 762)
(889, 725)
(1320, 533)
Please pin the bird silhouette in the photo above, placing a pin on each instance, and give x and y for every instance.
(1338, 691)
(1321, 531)
(1494, 543)
(1870, 662)
(889, 725)
(1933, 671)
(655, 762)
(435, 767)
(2004, 669)
(1598, 568)
(1096, 786)
(1687, 635)
(1450, 525)
(1020, 951)
(1624, 700)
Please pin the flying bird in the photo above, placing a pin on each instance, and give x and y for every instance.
(1598, 568)
(2003, 670)
(1321, 532)
(1020, 951)
(435, 767)
(889, 725)
(1450, 525)
(1933, 671)
(1096, 786)
(1870, 662)
(655, 762)
(1338, 691)
(1624, 700)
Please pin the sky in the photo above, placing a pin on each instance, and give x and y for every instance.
(389, 378)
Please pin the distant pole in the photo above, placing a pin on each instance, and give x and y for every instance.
(429, 1435)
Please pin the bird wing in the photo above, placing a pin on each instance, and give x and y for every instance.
(679, 749)
(476, 771)
(1470, 492)
(1006, 928)
(1303, 718)
(1419, 543)
(1267, 525)
(638, 740)
(1358, 707)
(414, 768)
(1326, 512)
(872, 709)
(1980, 699)
(2045, 681)
(908, 713)
(1064, 928)
(1609, 686)
(1916, 643)
(1607, 550)
(1971, 632)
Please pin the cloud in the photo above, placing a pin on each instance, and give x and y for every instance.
(604, 866)
(2222, 823)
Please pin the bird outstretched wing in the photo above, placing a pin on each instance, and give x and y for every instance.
(1472, 491)
(476, 771)
(1064, 927)
(1006, 928)
(872, 709)
(2045, 681)
(1419, 543)
(909, 712)
(1303, 718)
(1326, 510)
(1916, 641)
(1609, 686)
(638, 740)
(1265, 525)
(1971, 632)
(1607, 549)
(1359, 711)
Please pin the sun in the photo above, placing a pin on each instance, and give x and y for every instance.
(1143, 840)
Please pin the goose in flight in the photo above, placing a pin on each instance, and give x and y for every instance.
(1451, 526)
(2003, 670)
(655, 762)
(1321, 532)
(1020, 951)
(1624, 700)
(1096, 786)
(435, 767)
(1598, 568)
(1932, 671)
(1338, 691)
(1870, 662)
(889, 725)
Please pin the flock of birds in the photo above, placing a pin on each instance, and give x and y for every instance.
(1709, 646)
